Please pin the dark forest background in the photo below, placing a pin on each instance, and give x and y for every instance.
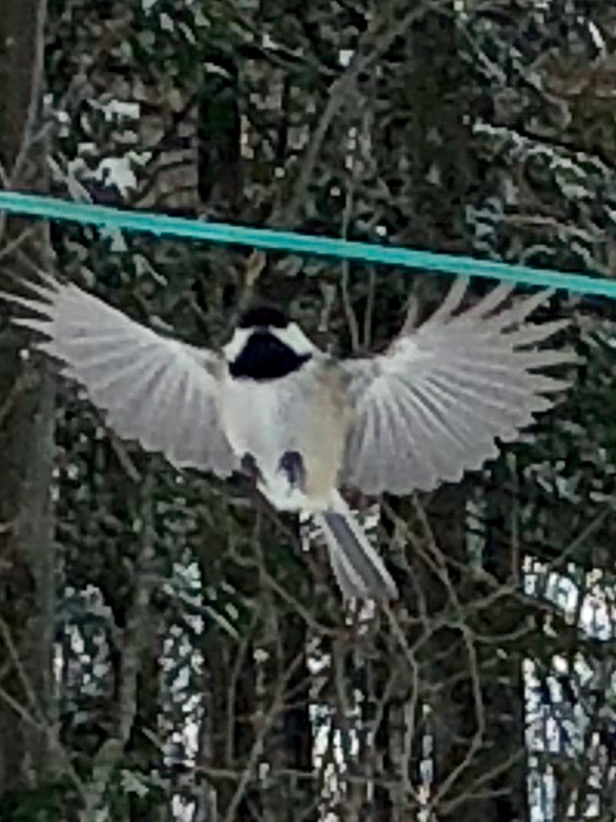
(169, 652)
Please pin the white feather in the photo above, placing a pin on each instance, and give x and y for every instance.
(435, 404)
(153, 389)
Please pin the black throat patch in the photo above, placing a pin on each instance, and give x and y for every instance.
(265, 357)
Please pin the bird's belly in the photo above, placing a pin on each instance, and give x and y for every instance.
(259, 420)
(269, 420)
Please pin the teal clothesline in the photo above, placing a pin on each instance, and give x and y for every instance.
(292, 242)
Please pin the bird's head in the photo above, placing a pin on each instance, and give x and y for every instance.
(266, 345)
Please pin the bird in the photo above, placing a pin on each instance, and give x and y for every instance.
(304, 424)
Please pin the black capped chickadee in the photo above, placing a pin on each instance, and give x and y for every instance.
(302, 422)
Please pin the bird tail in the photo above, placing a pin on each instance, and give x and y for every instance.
(358, 569)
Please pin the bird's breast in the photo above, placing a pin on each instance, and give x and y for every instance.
(263, 417)
(299, 414)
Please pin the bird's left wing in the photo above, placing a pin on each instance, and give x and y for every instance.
(432, 406)
(156, 390)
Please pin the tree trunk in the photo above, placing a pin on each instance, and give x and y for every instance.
(26, 439)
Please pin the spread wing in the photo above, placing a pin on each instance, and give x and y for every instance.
(158, 391)
(433, 405)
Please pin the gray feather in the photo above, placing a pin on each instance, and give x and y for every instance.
(153, 389)
(435, 404)
(358, 569)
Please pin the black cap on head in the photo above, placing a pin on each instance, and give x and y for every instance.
(264, 315)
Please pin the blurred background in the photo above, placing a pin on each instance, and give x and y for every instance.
(167, 650)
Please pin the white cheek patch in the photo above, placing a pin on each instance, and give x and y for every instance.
(237, 342)
(292, 336)
(295, 338)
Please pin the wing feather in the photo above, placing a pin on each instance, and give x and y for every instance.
(436, 403)
(152, 389)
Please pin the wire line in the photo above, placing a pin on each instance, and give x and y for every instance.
(292, 242)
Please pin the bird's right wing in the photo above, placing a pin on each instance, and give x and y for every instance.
(435, 404)
(156, 390)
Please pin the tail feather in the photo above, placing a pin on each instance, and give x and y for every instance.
(358, 569)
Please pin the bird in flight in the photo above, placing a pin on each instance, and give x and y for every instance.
(303, 423)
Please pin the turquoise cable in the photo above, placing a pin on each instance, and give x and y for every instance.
(292, 242)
